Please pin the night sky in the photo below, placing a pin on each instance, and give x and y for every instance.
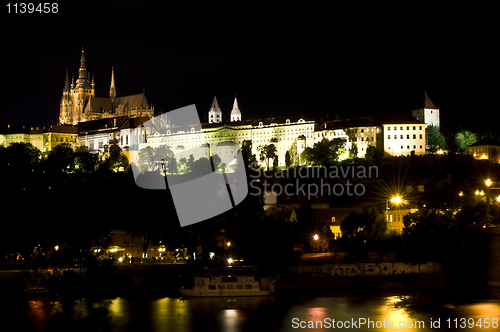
(293, 58)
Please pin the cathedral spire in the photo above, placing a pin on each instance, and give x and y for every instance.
(82, 81)
(235, 112)
(66, 84)
(112, 88)
(215, 113)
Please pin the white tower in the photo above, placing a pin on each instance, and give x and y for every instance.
(214, 114)
(235, 112)
(427, 112)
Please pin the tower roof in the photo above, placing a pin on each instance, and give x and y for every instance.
(82, 81)
(236, 109)
(215, 106)
(426, 103)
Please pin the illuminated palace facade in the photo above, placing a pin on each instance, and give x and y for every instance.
(394, 136)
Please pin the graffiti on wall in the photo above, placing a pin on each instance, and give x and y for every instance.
(366, 269)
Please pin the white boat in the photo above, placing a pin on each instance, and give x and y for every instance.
(214, 287)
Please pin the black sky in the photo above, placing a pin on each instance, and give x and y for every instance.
(278, 59)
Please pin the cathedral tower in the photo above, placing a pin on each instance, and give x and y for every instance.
(215, 113)
(112, 89)
(65, 113)
(235, 112)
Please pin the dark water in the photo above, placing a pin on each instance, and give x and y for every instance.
(401, 311)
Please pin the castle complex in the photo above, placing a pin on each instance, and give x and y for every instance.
(98, 122)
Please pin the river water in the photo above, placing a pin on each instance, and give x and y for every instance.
(318, 311)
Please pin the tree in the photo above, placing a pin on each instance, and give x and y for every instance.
(19, 158)
(368, 224)
(216, 160)
(363, 230)
(326, 152)
(435, 139)
(190, 163)
(267, 152)
(464, 139)
(288, 159)
(60, 159)
(172, 167)
(182, 164)
(353, 151)
(85, 162)
(373, 154)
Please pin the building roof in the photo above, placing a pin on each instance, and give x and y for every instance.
(396, 119)
(425, 103)
(132, 101)
(99, 105)
(101, 124)
(14, 130)
(134, 122)
(486, 142)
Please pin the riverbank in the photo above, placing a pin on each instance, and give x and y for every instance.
(159, 280)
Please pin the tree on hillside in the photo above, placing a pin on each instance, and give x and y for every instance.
(267, 152)
(325, 153)
(435, 139)
(288, 159)
(85, 162)
(19, 158)
(464, 139)
(353, 151)
(60, 159)
(373, 154)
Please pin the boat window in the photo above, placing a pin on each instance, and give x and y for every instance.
(230, 286)
(211, 287)
(239, 286)
(200, 282)
(247, 286)
(219, 287)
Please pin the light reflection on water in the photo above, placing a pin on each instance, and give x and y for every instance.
(274, 313)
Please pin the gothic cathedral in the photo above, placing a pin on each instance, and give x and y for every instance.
(79, 104)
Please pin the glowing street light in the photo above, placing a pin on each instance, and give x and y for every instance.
(56, 248)
(488, 192)
(396, 200)
(230, 260)
(315, 237)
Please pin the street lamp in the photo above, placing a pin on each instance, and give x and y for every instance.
(315, 237)
(488, 185)
(396, 200)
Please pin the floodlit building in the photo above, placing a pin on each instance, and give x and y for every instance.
(44, 139)
(79, 103)
(485, 149)
(427, 112)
